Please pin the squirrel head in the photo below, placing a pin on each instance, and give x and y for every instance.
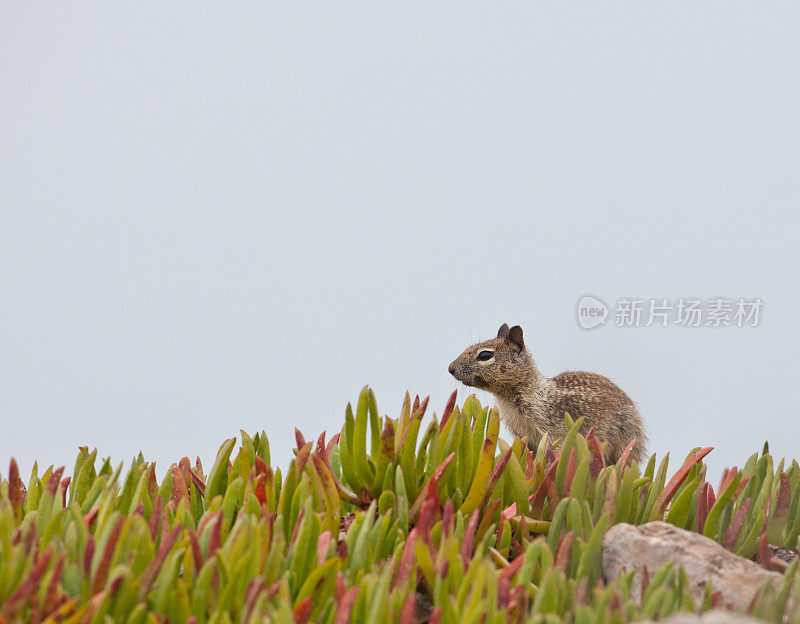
(498, 365)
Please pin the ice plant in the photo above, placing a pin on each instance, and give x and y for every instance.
(391, 519)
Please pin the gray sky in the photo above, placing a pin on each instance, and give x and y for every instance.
(234, 216)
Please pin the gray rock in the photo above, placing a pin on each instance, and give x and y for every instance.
(779, 558)
(717, 616)
(652, 545)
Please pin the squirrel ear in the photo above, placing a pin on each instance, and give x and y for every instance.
(503, 331)
(515, 337)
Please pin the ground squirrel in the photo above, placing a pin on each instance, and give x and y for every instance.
(532, 404)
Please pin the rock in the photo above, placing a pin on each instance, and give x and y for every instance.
(784, 554)
(652, 545)
(779, 558)
(717, 616)
(423, 608)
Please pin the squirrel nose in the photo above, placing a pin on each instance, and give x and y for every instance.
(452, 368)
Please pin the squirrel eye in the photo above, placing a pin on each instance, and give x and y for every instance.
(485, 355)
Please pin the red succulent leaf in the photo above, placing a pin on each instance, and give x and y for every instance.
(340, 586)
(781, 511)
(552, 495)
(431, 489)
(764, 554)
(711, 497)
(406, 613)
(197, 555)
(448, 518)
(417, 412)
(495, 475)
(727, 477)
(35, 614)
(530, 466)
(487, 519)
(28, 587)
(426, 519)
(569, 475)
(216, 531)
(185, 466)
(179, 488)
(260, 466)
(52, 483)
(303, 611)
(323, 465)
(741, 486)
(329, 449)
(155, 518)
(598, 459)
(448, 410)
(152, 482)
(582, 591)
(297, 524)
(702, 506)
(198, 483)
(443, 568)
(164, 523)
(509, 571)
(152, 570)
(735, 527)
(468, 540)
(302, 458)
(563, 551)
(90, 517)
(503, 593)
(260, 489)
(323, 545)
(301, 441)
(107, 557)
(254, 589)
(680, 476)
(345, 607)
(64, 485)
(273, 589)
(408, 561)
(509, 512)
(518, 598)
(752, 606)
(724, 477)
(88, 555)
(550, 456)
(537, 498)
(645, 580)
(51, 596)
(16, 488)
(623, 459)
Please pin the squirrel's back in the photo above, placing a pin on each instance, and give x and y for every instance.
(605, 406)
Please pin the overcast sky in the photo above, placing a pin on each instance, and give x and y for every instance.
(215, 217)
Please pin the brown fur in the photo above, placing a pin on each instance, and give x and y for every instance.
(532, 404)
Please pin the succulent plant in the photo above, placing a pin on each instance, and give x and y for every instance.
(389, 520)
